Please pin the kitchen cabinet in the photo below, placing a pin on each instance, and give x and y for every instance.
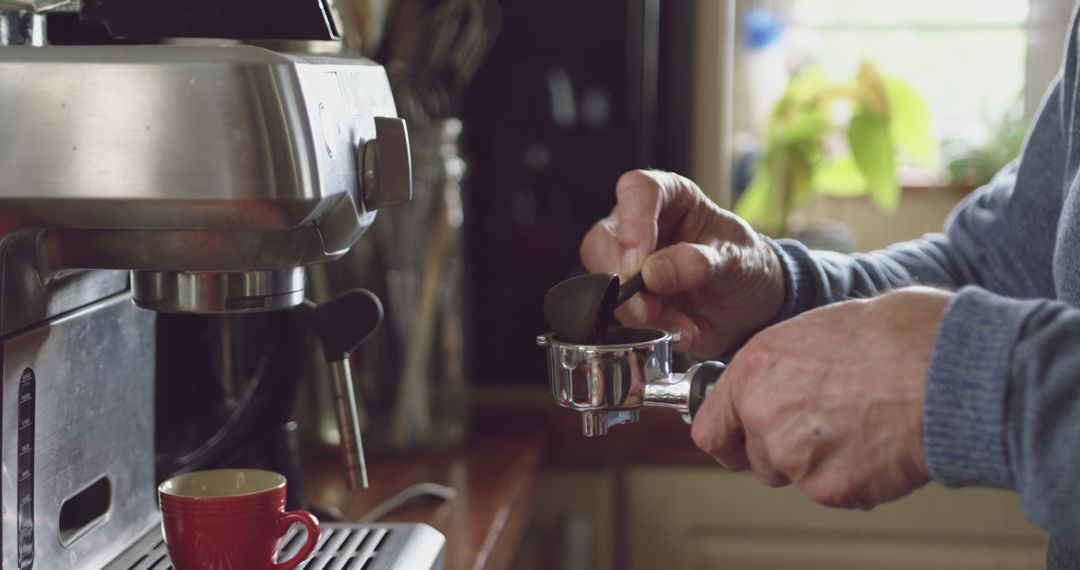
(643, 497)
(649, 517)
(689, 518)
(573, 525)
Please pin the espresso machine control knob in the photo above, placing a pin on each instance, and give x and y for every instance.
(385, 165)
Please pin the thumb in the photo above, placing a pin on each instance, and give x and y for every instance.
(680, 268)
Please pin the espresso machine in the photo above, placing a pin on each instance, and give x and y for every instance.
(145, 180)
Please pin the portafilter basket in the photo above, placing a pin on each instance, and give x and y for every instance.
(609, 383)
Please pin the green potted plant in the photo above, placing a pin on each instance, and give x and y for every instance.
(882, 120)
(970, 165)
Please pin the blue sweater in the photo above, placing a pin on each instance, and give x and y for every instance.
(1003, 395)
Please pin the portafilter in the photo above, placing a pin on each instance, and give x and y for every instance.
(610, 382)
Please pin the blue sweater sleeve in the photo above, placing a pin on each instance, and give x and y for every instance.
(1003, 403)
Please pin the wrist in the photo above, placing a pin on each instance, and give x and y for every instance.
(794, 283)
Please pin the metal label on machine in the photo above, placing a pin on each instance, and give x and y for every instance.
(25, 486)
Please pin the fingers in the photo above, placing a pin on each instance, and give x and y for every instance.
(642, 309)
(650, 204)
(673, 318)
(734, 421)
(833, 489)
(599, 249)
(640, 197)
(647, 310)
(761, 463)
(718, 431)
(680, 268)
(647, 200)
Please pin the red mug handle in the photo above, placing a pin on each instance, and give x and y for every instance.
(308, 520)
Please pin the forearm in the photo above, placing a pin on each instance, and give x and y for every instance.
(818, 278)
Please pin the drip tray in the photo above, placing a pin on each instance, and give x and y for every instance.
(342, 546)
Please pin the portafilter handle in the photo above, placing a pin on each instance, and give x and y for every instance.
(684, 392)
(342, 324)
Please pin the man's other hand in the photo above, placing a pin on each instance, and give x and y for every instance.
(831, 400)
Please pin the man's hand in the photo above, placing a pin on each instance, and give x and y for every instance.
(712, 278)
(831, 400)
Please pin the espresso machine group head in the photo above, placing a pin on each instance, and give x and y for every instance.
(188, 179)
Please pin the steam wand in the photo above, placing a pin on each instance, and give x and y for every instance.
(342, 324)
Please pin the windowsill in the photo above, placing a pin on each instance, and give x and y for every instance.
(962, 190)
(920, 180)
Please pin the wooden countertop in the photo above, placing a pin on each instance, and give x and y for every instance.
(494, 469)
(493, 472)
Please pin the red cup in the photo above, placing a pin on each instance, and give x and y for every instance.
(230, 519)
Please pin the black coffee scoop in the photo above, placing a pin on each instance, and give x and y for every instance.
(580, 309)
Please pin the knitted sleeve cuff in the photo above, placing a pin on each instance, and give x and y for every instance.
(799, 288)
(964, 413)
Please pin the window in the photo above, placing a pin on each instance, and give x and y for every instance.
(967, 58)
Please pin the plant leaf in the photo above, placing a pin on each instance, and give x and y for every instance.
(839, 176)
(756, 206)
(910, 123)
(805, 125)
(810, 84)
(800, 189)
(870, 91)
(874, 153)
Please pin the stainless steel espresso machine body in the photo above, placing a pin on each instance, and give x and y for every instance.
(185, 179)
(214, 174)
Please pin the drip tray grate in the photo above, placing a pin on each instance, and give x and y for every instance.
(342, 546)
